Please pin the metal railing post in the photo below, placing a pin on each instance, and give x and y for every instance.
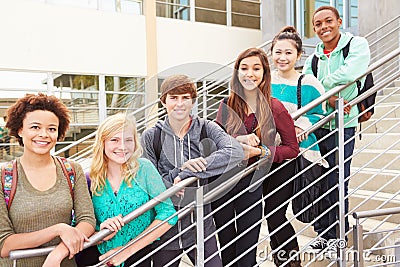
(397, 252)
(200, 226)
(102, 98)
(339, 122)
(358, 244)
(205, 93)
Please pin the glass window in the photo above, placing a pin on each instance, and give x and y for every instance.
(246, 14)
(131, 7)
(353, 13)
(174, 9)
(211, 11)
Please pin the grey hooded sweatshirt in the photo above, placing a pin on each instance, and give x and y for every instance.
(227, 154)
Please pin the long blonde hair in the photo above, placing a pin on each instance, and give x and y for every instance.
(107, 129)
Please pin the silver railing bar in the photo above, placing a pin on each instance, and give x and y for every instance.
(374, 213)
(24, 253)
(382, 231)
(381, 27)
(338, 89)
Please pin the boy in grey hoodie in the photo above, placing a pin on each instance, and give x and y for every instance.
(181, 157)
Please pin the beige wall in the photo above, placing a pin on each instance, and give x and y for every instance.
(273, 17)
(183, 42)
(45, 37)
(374, 13)
(48, 37)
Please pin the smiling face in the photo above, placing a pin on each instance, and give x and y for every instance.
(251, 72)
(326, 26)
(120, 146)
(284, 55)
(178, 106)
(39, 131)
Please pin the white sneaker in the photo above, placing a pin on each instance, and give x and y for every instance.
(319, 243)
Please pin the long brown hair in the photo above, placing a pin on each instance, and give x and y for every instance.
(236, 101)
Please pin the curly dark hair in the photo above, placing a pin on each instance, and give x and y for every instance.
(29, 103)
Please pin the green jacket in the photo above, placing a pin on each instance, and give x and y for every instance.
(335, 70)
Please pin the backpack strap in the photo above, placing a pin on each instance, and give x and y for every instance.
(299, 91)
(346, 49)
(203, 133)
(157, 143)
(9, 177)
(69, 173)
(314, 65)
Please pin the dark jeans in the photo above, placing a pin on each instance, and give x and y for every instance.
(90, 256)
(245, 222)
(333, 179)
(163, 257)
(278, 218)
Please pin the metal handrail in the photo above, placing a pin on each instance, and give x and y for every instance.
(375, 213)
(25, 253)
(381, 27)
(338, 89)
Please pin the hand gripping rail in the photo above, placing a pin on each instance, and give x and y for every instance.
(26, 253)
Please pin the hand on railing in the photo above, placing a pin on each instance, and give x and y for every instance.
(99, 236)
(332, 103)
(301, 134)
(113, 224)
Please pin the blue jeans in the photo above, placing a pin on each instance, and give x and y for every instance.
(333, 179)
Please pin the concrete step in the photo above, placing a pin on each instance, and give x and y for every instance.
(376, 141)
(378, 157)
(389, 90)
(362, 200)
(397, 83)
(382, 109)
(388, 180)
(369, 241)
(392, 98)
(375, 126)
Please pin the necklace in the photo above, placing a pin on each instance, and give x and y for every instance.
(285, 82)
(282, 87)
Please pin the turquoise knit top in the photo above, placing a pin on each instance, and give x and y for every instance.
(146, 185)
(286, 91)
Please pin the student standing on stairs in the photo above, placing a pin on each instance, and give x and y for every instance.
(182, 156)
(286, 49)
(335, 70)
(121, 182)
(44, 196)
(252, 116)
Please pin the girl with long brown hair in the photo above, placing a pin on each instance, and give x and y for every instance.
(254, 118)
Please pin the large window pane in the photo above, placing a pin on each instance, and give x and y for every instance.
(211, 11)
(176, 9)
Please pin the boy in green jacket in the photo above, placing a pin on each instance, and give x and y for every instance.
(334, 70)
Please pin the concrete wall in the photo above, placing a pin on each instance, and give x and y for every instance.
(374, 13)
(183, 42)
(45, 37)
(273, 18)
